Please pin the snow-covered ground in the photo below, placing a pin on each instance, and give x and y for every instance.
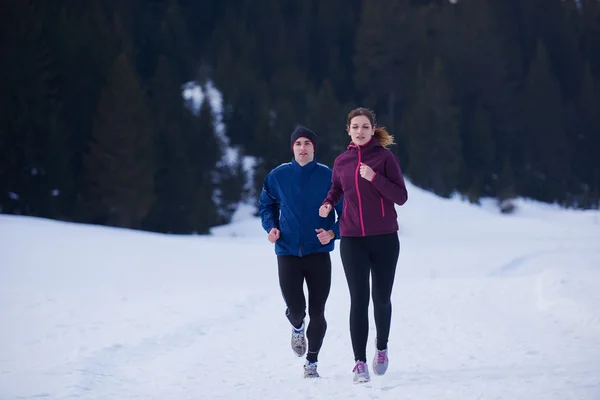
(486, 306)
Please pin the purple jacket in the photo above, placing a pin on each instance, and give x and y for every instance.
(368, 206)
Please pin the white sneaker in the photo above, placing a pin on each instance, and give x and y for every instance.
(361, 372)
(310, 370)
(298, 341)
(380, 362)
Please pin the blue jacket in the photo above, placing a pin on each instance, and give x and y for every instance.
(290, 201)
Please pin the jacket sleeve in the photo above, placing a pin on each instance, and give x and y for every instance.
(391, 184)
(335, 192)
(268, 206)
(339, 209)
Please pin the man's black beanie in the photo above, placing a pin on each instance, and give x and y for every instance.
(301, 131)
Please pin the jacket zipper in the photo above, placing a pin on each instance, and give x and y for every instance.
(382, 208)
(360, 213)
(300, 231)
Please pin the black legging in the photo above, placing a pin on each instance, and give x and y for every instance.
(377, 255)
(316, 269)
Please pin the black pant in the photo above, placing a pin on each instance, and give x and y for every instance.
(377, 255)
(316, 270)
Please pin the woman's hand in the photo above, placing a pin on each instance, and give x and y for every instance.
(324, 210)
(366, 172)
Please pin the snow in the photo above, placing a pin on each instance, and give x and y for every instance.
(486, 306)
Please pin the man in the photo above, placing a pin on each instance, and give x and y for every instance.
(289, 210)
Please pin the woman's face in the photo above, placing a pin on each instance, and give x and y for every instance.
(360, 130)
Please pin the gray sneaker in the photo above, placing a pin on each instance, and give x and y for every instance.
(361, 372)
(298, 341)
(380, 362)
(310, 370)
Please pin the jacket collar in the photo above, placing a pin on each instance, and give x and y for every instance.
(374, 142)
(304, 169)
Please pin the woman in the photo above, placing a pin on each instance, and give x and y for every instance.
(368, 177)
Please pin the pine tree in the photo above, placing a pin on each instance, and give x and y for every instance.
(547, 151)
(479, 151)
(326, 116)
(174, 180)
(34, 179)
(387, 52)
(583, 125)
(590, 35)
(86, 49)
(231, 188)
(174, 42)
(481, 69)
(121, 165)
(559, 32)
(432, 128)
(203, 153)
(506, 190)
(144, 20)
(201, 19)
(332, 45)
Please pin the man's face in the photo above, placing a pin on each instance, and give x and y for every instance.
(304, 151)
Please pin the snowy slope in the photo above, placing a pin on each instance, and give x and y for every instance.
(485, 307)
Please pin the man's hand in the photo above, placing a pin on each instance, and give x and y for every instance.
(325, 236)
(366, 172)
(273, 235)
(324, 210)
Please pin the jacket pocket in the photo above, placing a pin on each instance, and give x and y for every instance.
(382, 207)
